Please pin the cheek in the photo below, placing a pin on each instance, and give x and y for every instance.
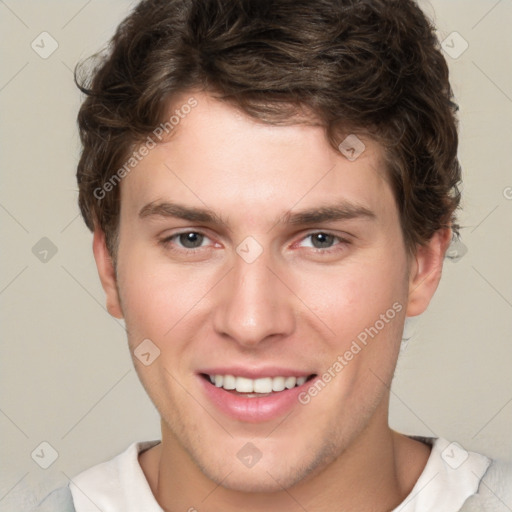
(148, 295)
(159, 299)
(353, 297)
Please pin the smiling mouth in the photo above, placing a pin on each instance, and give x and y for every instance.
(255, 388)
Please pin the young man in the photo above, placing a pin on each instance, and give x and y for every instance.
(272, 187)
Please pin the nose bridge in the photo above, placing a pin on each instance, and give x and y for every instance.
(254, 304)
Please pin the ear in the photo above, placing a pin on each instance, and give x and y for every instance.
(425, 271)
(107, 273)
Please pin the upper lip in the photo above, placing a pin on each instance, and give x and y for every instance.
(255, 373)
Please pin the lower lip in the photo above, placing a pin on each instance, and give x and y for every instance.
(253, 410)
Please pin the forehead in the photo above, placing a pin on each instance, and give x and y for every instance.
(219, 158)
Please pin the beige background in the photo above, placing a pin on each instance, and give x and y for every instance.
(66, 374)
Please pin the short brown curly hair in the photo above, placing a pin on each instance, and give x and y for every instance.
(361, 66)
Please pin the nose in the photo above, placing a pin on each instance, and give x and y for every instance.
(254, 305)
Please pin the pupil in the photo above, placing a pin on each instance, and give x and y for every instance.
(191, 240)
(322, 240)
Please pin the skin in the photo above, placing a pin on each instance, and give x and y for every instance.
(296, 306)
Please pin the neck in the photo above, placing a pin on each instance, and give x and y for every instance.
(376, 472)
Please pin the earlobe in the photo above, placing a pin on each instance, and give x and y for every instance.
(107, 273)
(426, 270)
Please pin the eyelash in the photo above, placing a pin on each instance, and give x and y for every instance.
(340, 245)
(168, 245)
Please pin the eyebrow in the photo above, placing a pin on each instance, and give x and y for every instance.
(192, 214)
(340, 211)
(332, 213)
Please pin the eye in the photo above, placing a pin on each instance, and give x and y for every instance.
(191, 240)
(321, 240)
(187, 240)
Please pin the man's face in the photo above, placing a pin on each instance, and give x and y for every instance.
(258, 251)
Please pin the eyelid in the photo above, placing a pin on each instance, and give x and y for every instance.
(168, 239)
(342, 239)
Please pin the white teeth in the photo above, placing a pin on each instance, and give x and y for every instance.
(262, 385)
(278, 384)
(229, 382)
(244, 385)
(290, 382)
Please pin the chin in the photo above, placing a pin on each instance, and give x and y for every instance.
(264, 477)
(262, 482)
